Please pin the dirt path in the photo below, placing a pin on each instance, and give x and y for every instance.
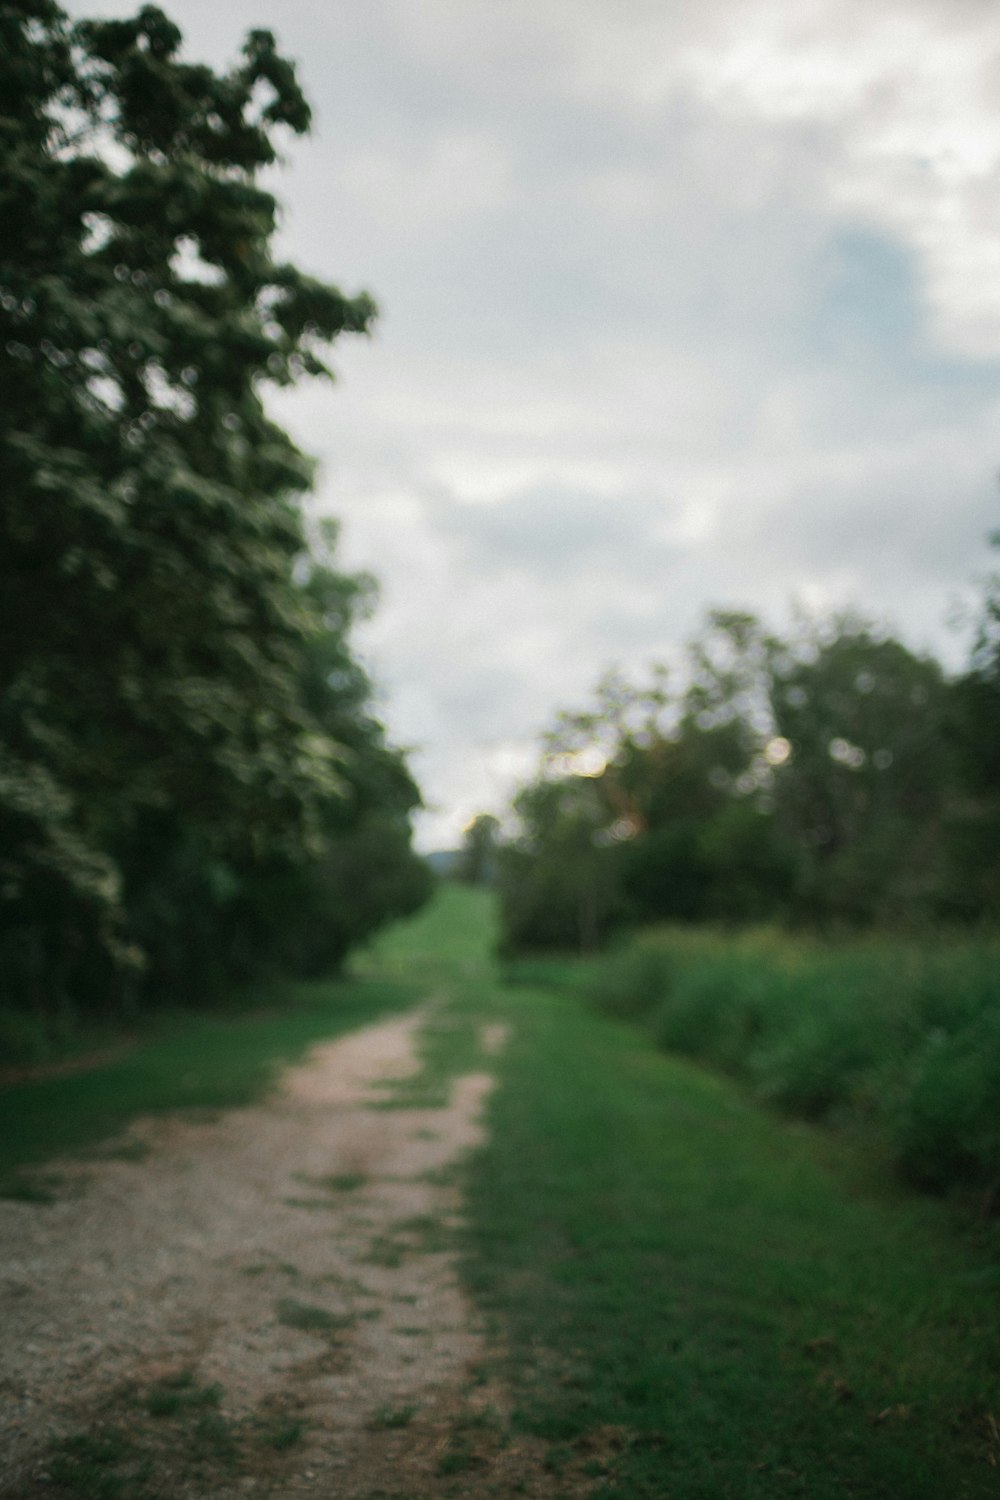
(295, 1255)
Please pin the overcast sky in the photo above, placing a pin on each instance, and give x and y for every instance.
(682, 305)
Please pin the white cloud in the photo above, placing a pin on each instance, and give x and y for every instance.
(910, 91)
(682, 305)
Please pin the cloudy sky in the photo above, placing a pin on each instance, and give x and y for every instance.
(682, 305)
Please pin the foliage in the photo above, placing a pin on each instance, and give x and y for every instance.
(477, 857)
(973, 827)
(865, 791)
(900, 1040)
(166, 743)
(832, 778)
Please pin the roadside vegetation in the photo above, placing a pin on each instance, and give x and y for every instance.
(784, 851)
(687, 1294)
(195, 791)
(673, 1271)
(895, 1041)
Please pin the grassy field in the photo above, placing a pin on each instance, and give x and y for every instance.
(687, 1296)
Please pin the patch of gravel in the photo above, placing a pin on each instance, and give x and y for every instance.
(296, 1253)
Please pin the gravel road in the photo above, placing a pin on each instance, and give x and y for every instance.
(280, 1279)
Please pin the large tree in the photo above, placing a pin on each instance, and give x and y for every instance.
(152, 624)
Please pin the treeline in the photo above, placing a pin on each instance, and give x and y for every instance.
(193, 786)
(829, 778)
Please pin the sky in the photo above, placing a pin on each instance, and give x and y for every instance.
(682, 306)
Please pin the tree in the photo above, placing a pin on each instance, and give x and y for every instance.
(973, 828)
(558, 886)
(863, 790)
(477, 858)
(152, 631)
(811, 779)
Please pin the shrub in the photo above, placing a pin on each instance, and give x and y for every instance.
(897, 1038)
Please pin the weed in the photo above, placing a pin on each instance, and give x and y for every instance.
(480, 1419)
(343, 1182)
(214, 1439)
(385, 1251)
(127, 1151)
(100, 1465)
(392, 1417)
(425, 1233)
(900, 1040)
(283, 1432)
(38, 1187)
(180, 1392)
(457, 1458)
(310, 1319)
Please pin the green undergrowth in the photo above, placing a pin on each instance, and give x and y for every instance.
(895, 1040)
(204, 1062)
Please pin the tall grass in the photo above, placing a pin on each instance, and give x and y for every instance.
(898, 1038)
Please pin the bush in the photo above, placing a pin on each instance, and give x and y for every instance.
(630, 983)
(892, 1037)
(947, 1128)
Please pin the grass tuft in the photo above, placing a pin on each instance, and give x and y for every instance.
(178, 1393)
(392, 1417)
(310, 1319)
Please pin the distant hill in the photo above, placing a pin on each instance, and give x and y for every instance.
(444, 862)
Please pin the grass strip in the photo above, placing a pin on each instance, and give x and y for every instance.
(191, 1062)
(897, 1038)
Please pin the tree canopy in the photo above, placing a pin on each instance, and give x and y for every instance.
(831, 777)
(177, 697)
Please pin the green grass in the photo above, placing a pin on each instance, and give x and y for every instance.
(756, 1312)
(179, 1393)
(899, 1039)
(151, 1442)
(658, 1253)
(446, 941)
(341, 1182)
(205, 1062)
(282, 1433)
